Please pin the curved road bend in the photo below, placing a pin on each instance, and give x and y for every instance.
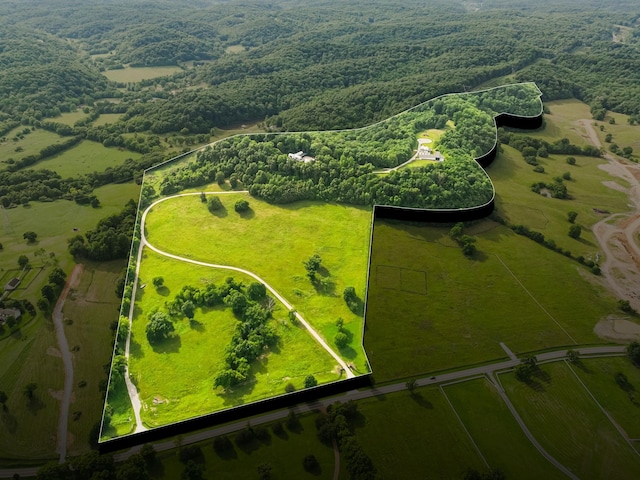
(63, 346)
(351, 395)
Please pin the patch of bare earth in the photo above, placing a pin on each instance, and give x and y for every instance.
(616, 234)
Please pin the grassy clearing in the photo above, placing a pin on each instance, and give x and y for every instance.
(562, 121)
(599, 377)
(415, 436)
(283, 452)
(69, 118)
(86, 157)
(623, 134)
(495, 431)
(287, 235)
(411, 333)
(30, 144)
(137, 74)
(570, 426)
(175, 380)
(105, 118)
(88, 313)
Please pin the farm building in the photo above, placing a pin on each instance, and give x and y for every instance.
(6, 313)
(301, 157)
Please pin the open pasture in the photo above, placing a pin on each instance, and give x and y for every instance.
(175, 379)
(415, 436)
(69, 118)
(622, 402)
(29, 144)
(272, 242)
(137, 74)
(570, 426)
(86, 157)
(471, 304)
(496, 433)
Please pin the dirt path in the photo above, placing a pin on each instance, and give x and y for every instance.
(63, 347)
(617, 233)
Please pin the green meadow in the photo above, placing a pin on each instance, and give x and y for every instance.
(272, 242)
(69, 118)
(105, 118)
(137, 74)
(175, 379)
(623, 404)
(29, 144)
(89, 312)
(496, 433)
(570, 426)
(466, 306)
(86, 157)
(411, 436)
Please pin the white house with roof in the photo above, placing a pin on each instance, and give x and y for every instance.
(301, 157)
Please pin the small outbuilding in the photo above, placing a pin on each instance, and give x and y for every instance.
(6, 313)
(12, 284)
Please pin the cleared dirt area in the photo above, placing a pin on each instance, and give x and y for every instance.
(617, 235)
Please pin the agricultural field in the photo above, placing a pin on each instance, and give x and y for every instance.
(69, 118)
(86, 157)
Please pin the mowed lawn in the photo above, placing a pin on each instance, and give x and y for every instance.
(430, 308)
(598, 375)
(86, 157)
(415, 436)
(175, 379)
(571, 427)
(272, 242)
(496, 433)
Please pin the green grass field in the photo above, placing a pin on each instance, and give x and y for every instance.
(137, 74)
(570, 426)
(69, 118)
(175, 380)
(470, 305)
(598, 375)
(105, 118)
(287, 235)
(89, 312)
(496, 433)
(86, 157)
(30, 144)
(415, 436)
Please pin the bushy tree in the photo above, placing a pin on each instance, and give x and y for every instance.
(575, 231)
(312, 265)
(310, 381)
(213, 203)
(241, 206)
(571, 216)
(159, 327)
(158, 282)
(30, 237)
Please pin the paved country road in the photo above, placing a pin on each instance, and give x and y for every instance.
(460, 375)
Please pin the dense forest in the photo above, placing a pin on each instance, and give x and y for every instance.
(286, 65)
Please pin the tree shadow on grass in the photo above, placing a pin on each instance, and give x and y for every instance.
(156, 469)
(581, 365)
(324, 286)
(9, 421)
(35, 405)
(247, 214)
(196, 325)
(222, 212)
(542, 376)
(171, 344)
(348, 352)
(422, 401)
(229, 453)
(135, 349)
(163, 290)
